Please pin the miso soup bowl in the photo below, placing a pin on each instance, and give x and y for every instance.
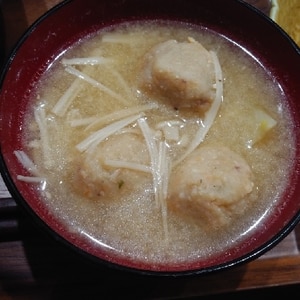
(68, 22)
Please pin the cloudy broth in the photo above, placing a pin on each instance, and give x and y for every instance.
(128, 220)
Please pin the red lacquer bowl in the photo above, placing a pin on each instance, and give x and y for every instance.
(65, 24)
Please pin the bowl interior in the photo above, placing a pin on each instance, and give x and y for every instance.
(72, 20)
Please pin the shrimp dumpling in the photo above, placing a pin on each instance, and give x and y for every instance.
(182, 73)
(209, 186)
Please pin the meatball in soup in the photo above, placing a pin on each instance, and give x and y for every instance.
(161, 141)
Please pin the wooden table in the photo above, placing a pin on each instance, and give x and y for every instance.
(34, 266)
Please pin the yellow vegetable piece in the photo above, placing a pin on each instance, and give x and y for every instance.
(263, 123)
(286, 13)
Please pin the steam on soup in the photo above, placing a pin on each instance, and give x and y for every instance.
(159, 141)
